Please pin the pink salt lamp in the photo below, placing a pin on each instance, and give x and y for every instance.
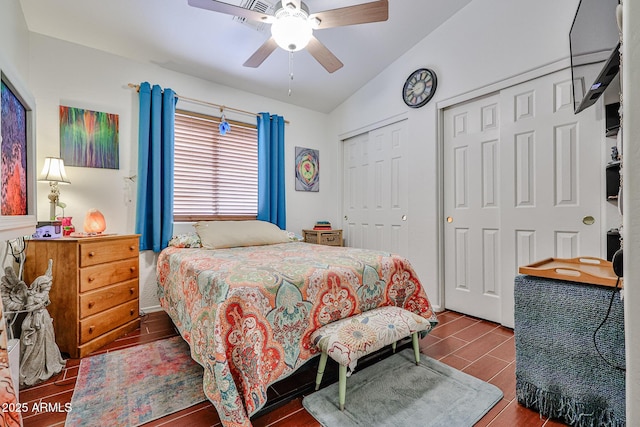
(94, 222)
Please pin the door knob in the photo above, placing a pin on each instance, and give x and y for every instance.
(404, 217)
(588, 220)
(449, 219)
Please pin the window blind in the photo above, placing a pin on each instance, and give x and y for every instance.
(215, 176)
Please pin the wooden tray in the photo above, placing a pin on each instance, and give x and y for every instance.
(583, 269)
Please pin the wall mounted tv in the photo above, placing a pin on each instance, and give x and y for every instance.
(594, 41)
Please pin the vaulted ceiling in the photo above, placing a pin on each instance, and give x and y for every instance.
(213, 46)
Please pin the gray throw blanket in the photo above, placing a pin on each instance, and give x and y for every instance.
(559, 371)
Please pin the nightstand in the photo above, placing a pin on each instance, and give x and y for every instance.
(94, 295)
(323, 237)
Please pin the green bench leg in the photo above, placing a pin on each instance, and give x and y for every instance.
(416, 347)
(342, 372)
(342, 385)
(321, 366)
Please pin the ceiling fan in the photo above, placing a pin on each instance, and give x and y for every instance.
(292, 26)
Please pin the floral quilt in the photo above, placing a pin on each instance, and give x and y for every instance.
(248, 312)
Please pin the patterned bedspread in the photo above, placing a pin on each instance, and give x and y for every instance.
(247, 313)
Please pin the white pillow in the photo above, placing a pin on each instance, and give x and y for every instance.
(230, 234)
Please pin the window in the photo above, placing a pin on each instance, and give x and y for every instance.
(215, 176)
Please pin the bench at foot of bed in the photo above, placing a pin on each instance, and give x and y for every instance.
(349, 339)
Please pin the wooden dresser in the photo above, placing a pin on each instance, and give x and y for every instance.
(94, 295)
(323, 237)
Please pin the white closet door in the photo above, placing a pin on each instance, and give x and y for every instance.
(375, 189)
(552, 168)
(472, 208)
(522, 183)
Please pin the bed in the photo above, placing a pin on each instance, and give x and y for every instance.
(247, 312)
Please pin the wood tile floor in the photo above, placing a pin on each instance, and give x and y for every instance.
(480, 348)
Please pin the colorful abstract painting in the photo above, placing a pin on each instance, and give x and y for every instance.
(307, 169)
(89, 138)
(14, 153)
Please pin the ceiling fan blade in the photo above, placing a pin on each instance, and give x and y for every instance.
(229, 9)
(323, 55)
(261, 54)
(375, 11)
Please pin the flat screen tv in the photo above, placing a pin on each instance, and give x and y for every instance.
(594, 42)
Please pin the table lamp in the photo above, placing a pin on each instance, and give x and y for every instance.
(53, 172)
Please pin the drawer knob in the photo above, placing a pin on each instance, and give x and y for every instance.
(91, 329)
(131, 312)
(131, 290)
(132, 269)
(91, 279)
(92, 254)
(132, 248)
(91, 304)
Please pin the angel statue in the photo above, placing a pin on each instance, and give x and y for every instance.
(14, 291)
(40, 357)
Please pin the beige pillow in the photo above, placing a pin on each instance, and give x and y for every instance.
(230, 234)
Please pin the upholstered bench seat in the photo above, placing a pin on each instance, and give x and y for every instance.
(349, 339)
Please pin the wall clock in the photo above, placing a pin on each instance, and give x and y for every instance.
(419, 88)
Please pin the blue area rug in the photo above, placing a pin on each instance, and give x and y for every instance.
(396, 392)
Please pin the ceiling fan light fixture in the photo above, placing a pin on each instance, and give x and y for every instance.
(291, 29)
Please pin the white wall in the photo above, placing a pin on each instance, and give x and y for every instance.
(69, 74)
(486, 42)
(14, 38)
(631, 196)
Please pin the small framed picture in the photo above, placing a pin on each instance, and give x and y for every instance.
(307, 169)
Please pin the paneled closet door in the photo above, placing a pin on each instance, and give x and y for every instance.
(375, 190)
(552, 165)
(472, 208)
(522, 183)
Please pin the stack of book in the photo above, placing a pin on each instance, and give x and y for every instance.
(322, 225)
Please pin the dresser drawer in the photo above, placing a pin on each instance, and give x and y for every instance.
(101, 251)
(96, 325)
(96, 301)
(331, 239)
(97, 276)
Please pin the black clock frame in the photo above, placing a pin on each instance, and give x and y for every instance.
(431, 93)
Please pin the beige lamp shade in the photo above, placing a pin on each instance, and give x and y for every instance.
(53, 171)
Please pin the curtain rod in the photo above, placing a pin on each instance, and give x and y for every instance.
(211, 104)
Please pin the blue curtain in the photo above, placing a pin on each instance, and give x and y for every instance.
(271, 189)
(154, 215)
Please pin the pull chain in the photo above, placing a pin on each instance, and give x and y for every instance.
(290, 70)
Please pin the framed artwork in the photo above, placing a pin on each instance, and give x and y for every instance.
(89, 138)
(13, 128)
(18, 150)
(307, 169)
